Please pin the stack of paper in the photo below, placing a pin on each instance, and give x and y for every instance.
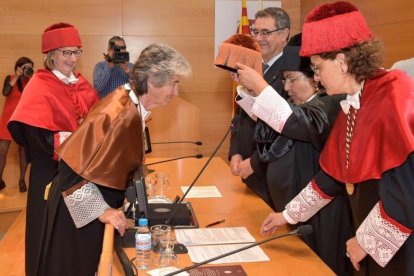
(206, 243)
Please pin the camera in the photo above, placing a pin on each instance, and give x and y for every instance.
(28, 71)
(118, 56)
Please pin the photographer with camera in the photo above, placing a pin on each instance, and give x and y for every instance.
(115, 70)
(12, 90)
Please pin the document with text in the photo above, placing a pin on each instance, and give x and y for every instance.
(201, 253)
(208, 236)
(201, 191)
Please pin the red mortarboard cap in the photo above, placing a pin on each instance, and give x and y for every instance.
(331, 27)
(239, 48)
(60, 35)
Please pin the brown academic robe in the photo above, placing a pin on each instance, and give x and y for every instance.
(105, 150)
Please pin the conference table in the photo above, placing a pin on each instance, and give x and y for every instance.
(238, 206)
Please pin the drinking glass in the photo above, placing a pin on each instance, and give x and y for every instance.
(158, 188)
(159, 232)
(168, 256)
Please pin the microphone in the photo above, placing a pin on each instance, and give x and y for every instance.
(302, 230)
(198, 143)
(178, 158)
(174, 207)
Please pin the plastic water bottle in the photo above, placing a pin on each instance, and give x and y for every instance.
(143, 244)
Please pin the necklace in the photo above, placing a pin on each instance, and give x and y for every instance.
(350, 126)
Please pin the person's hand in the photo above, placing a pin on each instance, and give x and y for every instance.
(234, 164)
(124, 66)
(250, 79)
(245, 168)
(272, 223)
(116, 218)
(355, 252)
(233, 76)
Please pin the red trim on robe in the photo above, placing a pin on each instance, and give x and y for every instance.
(383, 137)
(319, 191)
(385, 216)
(56, 144)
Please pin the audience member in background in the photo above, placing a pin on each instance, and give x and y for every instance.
(271, 31)
(293, 156)
(115, 70)
(53, 104)
(406, 65)
(12, 89)
(97, 160)
(369, 152)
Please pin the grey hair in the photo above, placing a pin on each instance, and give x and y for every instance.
(280, 16)
(158, 63)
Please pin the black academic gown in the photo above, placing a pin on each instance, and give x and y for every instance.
(68, 250)
(39, 149)
(242, 138)
(381, 165)
(294, 160)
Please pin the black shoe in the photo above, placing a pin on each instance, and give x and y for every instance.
(22, 186)
(2, 185)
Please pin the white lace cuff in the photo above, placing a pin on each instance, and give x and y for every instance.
(272, 108)
(246, 102)
(381, 236)
(307, 203)
(85, 204)
(288, 218)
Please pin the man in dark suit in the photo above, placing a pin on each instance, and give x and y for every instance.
(271, 30)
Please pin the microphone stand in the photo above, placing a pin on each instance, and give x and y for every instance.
(198, 143)
(302, 230)
(178, 158)
(174, 207)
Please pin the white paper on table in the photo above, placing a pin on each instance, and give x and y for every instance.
(204, 236)
(201, 253)
(201, 191)
(165, 271)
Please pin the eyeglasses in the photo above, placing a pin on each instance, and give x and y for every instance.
(69, 53)
(263, 33)
(316, 68)
(291, 80)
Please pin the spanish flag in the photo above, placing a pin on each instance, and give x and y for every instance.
(244, 28)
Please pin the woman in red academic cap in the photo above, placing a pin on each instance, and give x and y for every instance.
(53, 105)
(369, 152)
(12, 90)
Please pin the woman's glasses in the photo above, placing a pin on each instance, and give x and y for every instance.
(291, 80)
(69, 53)
(316, 68)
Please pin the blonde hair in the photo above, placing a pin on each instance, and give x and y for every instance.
(48, 63)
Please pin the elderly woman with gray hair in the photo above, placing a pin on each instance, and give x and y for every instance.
(97, 160)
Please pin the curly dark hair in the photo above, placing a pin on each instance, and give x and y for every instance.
(363, 59)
